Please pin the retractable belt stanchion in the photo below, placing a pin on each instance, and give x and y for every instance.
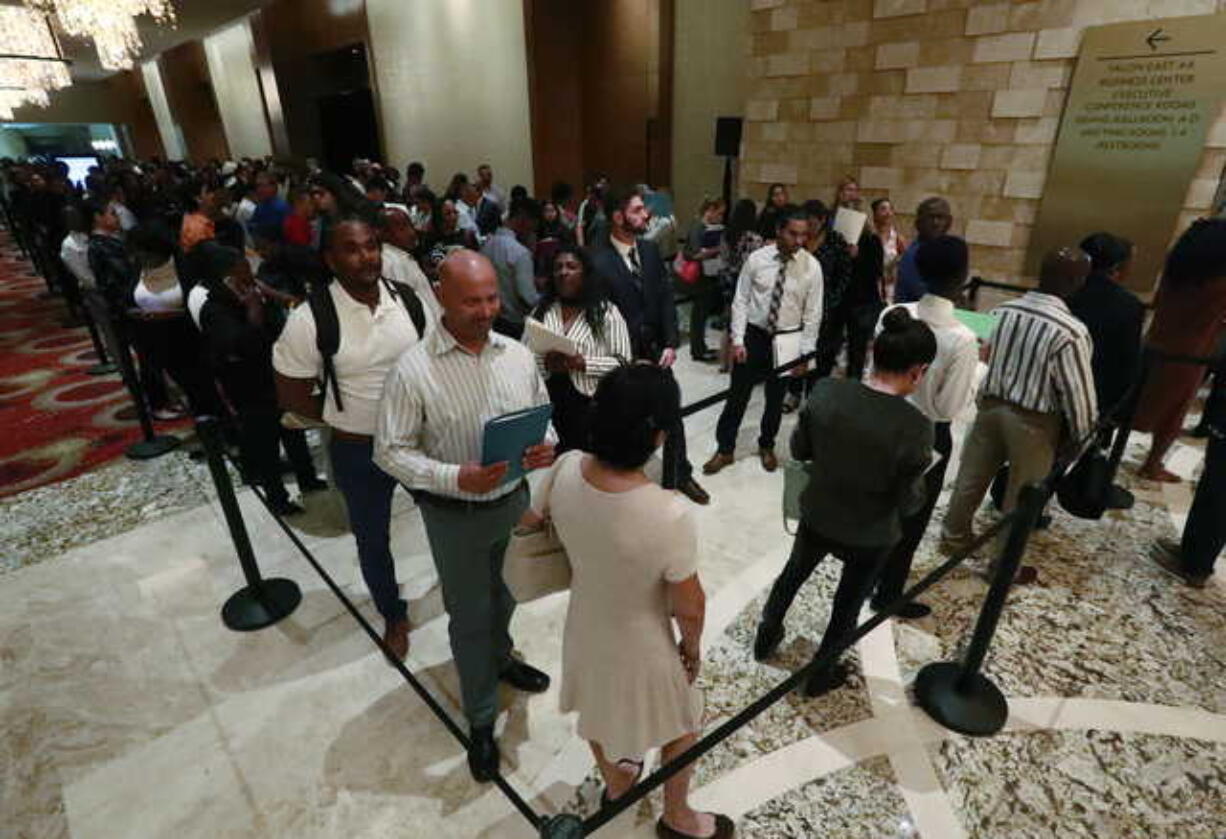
(261, 602)
(105, 366)
(957, 694)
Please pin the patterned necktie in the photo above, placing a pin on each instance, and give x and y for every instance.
(635, 268)
(772, 315)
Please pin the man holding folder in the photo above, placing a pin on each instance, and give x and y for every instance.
(430, 435)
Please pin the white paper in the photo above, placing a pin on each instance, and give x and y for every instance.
(543, 340)
(787, 347)
(850, 224)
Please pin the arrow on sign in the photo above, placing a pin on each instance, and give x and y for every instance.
(1155, 38)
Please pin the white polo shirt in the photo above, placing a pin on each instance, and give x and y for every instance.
(370, 343)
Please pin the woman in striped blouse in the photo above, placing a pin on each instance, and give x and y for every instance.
(575, 304)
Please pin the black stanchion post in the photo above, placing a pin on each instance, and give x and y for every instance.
(261, 602)
(957, 694)
(563, 826)
(1124, 421)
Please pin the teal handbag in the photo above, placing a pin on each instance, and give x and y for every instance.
(795, 479)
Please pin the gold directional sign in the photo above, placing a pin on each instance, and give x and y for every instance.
(1133, 132)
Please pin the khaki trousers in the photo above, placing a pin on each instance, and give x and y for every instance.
(1002, 433)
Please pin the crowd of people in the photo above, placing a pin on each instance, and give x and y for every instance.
(396, 318)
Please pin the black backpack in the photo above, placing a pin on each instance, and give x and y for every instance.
(328, 327)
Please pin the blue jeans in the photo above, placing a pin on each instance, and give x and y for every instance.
(368, 497)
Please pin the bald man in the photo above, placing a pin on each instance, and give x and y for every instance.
(1039, 391)
(435, 404)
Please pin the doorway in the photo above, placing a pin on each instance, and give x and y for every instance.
(347, 128)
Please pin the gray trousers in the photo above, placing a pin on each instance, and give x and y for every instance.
(1002, 433)
(468, 543)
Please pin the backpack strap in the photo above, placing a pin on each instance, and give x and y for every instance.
(411, 302)
(327, 337)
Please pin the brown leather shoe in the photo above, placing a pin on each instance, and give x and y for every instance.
(717, 462)
(691, 490)
(769, 462)
(396, 636)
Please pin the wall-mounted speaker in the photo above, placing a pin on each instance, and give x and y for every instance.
(727, 136)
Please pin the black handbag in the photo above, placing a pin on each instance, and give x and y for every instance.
(1084, 489)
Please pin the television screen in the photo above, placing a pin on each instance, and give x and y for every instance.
(78, 168)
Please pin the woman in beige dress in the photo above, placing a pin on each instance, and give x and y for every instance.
(633, 552)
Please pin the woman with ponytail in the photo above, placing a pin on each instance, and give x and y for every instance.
(869, 448)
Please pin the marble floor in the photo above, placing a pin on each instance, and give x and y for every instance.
(128, 710)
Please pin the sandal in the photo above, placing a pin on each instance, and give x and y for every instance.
(724, 829)
(605, 801)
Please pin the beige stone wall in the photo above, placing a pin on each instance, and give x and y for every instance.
(931, 97)
(708, 81)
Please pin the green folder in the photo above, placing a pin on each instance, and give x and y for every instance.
(981, 323)
(508, 436)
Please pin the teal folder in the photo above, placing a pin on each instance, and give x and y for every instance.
(981, 323)
(508, 436)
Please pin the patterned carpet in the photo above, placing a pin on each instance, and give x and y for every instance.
(56, 420)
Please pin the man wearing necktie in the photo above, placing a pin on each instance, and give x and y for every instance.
(640, 285)
(779, 290)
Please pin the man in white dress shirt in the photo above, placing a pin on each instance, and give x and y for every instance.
(489, 189)
(947, 390)
(436, 402)
(779, 290)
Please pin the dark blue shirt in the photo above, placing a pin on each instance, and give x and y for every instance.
(269, 215)
(911, 286)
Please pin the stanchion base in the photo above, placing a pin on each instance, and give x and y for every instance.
(563, 826)
(252, 608)
(103, 369)
(149, 449)
(978, 709)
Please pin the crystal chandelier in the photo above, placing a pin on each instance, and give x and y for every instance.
(33, 64)
(12, 99)
(111, 24)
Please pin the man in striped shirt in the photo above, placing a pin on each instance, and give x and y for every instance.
(436, 401)
(1039, 388)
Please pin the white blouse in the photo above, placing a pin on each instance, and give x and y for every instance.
(601, 354)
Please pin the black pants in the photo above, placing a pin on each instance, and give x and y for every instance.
(1217, 392)
(855, 324)
(572, 413)
(677, 469)
(172, 346)
(898, 564)
(1204, 535)
(860, 328)
(860, 569)
(758, 362)
(261, 437)
(704, 301)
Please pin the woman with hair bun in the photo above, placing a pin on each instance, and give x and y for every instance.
(633, 551)
(869, 448)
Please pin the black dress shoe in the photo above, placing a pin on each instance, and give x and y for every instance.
(284, 507)
(910, 611)
(823, 681)
(312, 485)
(482, 753)
(1119, 498)
(705, 355)
(691, 490)
(525, 677)
(767, 639)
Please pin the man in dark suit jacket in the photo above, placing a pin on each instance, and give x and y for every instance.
(640, 286)
(1115, 318)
